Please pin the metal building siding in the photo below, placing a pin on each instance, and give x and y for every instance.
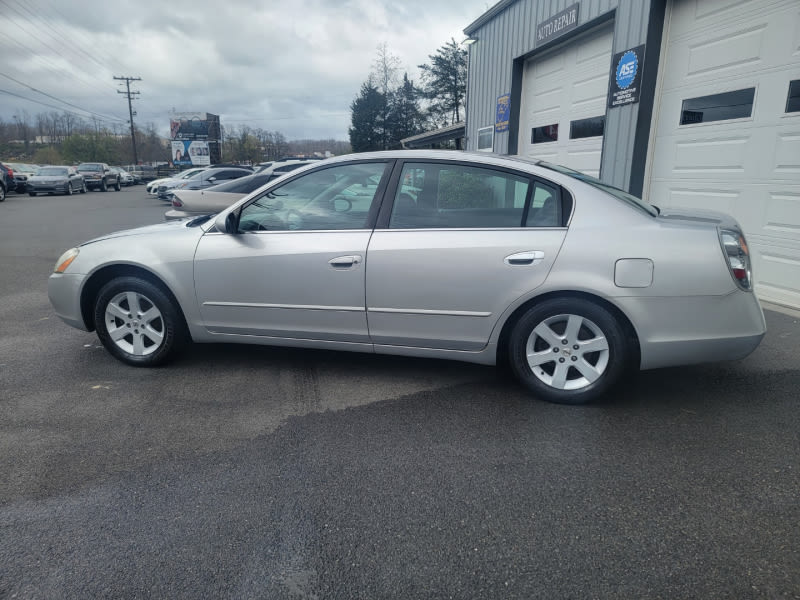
(630, 30)
(511, 34)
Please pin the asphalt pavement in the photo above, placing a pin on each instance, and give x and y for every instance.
(254, 472)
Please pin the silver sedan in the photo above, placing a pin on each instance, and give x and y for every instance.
(435, 254)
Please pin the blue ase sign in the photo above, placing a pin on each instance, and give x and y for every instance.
(626, 77)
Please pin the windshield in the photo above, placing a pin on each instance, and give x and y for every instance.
(594, 182)
(52, 171)
(189, 174)
(90, 167)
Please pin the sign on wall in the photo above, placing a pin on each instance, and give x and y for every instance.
(625, 81)
(557, 25)
(185, 153)
(503, 113)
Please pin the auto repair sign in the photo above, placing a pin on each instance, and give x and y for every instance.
(625, 81)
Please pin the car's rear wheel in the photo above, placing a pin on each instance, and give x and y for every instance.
(568, 350)
(137, 322)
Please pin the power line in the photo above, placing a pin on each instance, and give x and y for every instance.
(10, 93)
(60, 100)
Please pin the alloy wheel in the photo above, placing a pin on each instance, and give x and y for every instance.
(134, 323)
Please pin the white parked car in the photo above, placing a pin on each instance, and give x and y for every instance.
(152, 186)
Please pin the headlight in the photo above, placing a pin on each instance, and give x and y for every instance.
(65, 260)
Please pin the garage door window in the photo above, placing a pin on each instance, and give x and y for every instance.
(434, 196)
(793, 101)
(545, 133)
(718, 107)
(486, 139)
(584, 128)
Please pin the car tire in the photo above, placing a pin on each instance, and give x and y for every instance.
(2, 194)
(568, 350)
(68, 191)
(103, 186)
(32, 194)
(117, 186)
(147, 342)
(84, 189)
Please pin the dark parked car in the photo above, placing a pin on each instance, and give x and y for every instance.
(56, 180)
(9, 183)
(4, 182)
(99, 176)
(206, 179)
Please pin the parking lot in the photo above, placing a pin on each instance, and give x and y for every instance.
(252, 472)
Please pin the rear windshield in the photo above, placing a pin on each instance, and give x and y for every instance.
(609, 189)
(52, 171)
(90, 167)
(243, 185)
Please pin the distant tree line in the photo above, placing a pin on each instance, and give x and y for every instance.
(388, 109)
(63, 138)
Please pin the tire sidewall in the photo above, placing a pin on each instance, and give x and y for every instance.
(174, 330)
(104, 186)
(619, 350)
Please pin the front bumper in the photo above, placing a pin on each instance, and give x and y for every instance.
(64, 291)
(48, 188)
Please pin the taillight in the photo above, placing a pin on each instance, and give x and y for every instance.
(176, 203)
(735, 249)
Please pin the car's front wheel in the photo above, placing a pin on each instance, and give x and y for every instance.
(117, 186)
(103, 186)
(137, 322)
(568, 350)
(69, 190)
(84, 189)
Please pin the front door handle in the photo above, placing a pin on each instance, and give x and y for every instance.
(529, 257)
(344, 262)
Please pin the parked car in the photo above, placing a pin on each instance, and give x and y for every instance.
(9, 181)
(145, 172)
(125, 178)
(5, 182)
(56, 180)
(206, 178)
(471, 257)
(188, 203)
(99, 176)
(152, 186)
(21, 173)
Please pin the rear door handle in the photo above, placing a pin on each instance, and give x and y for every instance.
(344, 262)
(529, 257)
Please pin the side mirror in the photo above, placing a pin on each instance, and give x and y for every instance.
(226, 223)
(211, 179)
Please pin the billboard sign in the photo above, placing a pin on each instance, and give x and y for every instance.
(194, 126)
(190, 153)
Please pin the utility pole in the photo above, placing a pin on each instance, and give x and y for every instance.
(130, 96)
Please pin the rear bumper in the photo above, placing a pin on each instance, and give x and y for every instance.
(681, 331)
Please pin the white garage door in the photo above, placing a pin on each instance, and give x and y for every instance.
(563, 105)
(727, 129)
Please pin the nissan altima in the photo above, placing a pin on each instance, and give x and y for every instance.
(436, 254)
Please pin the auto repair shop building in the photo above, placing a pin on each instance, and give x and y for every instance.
(692, 103)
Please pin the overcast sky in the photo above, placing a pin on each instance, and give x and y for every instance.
(293, 66)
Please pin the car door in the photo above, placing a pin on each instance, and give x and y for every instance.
(295, 269)
(455, 248)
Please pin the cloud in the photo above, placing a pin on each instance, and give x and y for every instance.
(292, 67)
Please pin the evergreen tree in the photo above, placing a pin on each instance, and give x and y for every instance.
(405, 117)
(445, 83)
(366, 130)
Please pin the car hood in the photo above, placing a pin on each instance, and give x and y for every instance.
(159, 228)
(698, 216)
